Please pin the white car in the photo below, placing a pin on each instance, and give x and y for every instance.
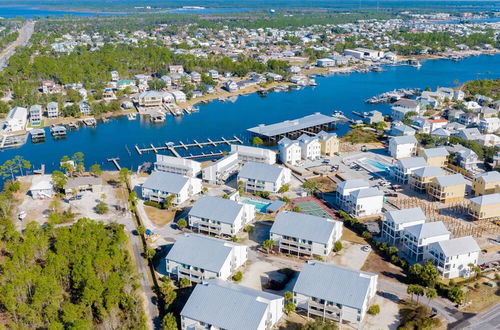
(22, 215)
(366, 248)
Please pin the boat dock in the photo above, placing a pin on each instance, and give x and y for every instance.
(172, 147)
(58, 131)
(37, 135)
(115, 162)
(90, 121)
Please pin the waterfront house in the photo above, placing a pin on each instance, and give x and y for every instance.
(333, 292)
(36, 115)
(263, 177)
(422, 177)
(417, 238)
(435, 156)
(198, 258)
(302, 234)
(195, 77)
(159, 185)
(485, 206)
(217, 304)
(396, 221)
(364, 53)
(453, 257)
(330, 144)
(402, 107)
(85, 108)
(403, 146)
(179, 96)
(150, 99)
(373, 117)
(486, 183)
(404, 168)
(231, 86)
(344, 188)
(290, 151)
(41, 187)
(221, 170)
(81, 184)
(489, 125)
(310, 147)
(325, 63)
(16, 120)
(220, 216)
(364, 202)
(467, 159)
(254, 154)
(447, 188)
(52, 110)
(178, 165)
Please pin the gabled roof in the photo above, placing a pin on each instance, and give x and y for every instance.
(428, 229)
(486, 199)
(261, 171)
(436, 152)
(406, 215)
(367, 192)
(333, 283)
(304, 226)
(491, 176)
(352, 184)
(450, 180)
(165, 181)
(216, 208)
(201, 251)
(411, 163)
(227, 306)
(404, 139)
(41, 182)
(458, 246)
(428, 171)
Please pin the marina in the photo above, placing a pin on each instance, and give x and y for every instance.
(170, 146)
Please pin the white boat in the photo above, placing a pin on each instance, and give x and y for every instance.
(132, 116)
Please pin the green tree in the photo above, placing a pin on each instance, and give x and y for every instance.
(11, 167)
(149, 253)
(78, 159)
(297, 209)
(238, 276)
(67, 165)
(169, 322)
(59, 179)
(101, 208)
(257, 141)
(311, 187)
(374, 309)
(284, 188)
(268, 244)
(337, 246)
(168, 201)
(184, 282)
(431, 293)
(320, 324)
(123, 175)
(182, 223)
(289, 307)
(457, 295)
(95, 170)
(141, 230)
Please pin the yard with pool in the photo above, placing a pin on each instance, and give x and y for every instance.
(260, 204)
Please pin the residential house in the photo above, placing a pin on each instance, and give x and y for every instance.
(115, 76)
(364, 202)
(485, 206)
(435, 156)
(150, 99)
(453, 257)
(159, 185)
(447, 188)
(396, 221)
(373, 117)
(41, 187)
(213, 74)
(310, 147)
(16, 120)
(400, 129)
(198, 258)
(344, 189)
(52, 110)
(330, 144)
(254, 154)
(402, 107)
(325, 63)
(467, 159)
(417, 238)
(221, 170)
(176, 69)
(403, 146)
(302, 234)
(231, 86)
(489, 125)
(263, 177)
(422, 177)
(195, 77)
(81, 184)
(36, 115)
(404, 168)
(486, 183)
(469, 118)
(178, 165)
(85, 108)
(333, 292)
(220, 216)
(50, 87)
(290, 151)
(217, 304)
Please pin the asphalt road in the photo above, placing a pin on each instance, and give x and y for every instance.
(24, 36)
(489, 319)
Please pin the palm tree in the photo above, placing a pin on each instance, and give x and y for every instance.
(268, 244)
(431, 293)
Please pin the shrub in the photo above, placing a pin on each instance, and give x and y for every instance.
(374, 309)
(265, 194)
(248, 229)
(154, 204)
(289, 307)
(366, 235)
(337, 246)
(101, 208)
(238, 276)
(285, 199)
(296, 208)
(184, 282)
(182, 223)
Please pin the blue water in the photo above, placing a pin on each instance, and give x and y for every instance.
(260, 206)
(29, 12)
(210, 10)
(379, 165)
(217, 119)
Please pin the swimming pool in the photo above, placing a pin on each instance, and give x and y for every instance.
(260, 205)
(379, 165)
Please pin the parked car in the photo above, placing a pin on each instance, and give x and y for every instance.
(366, 248)
(22, 215)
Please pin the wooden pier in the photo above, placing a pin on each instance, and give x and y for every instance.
(172, 147)
(115, 162)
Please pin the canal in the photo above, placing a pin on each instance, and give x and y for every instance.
(347, 93)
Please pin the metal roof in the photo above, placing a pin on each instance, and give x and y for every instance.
(406, 215)
(450, 180)
(428, 171)
(333, 283)
(201, 251)
(228, 306)
(428, 229)
(486, 199)
(216, 208)
(260, 171)
(458, 246)
(165, 181)
(352, 184)
(436, 152)
(404, 139)
(491, 176)
(292, 125)
(367, 192)
(411, 163)
(304, 226)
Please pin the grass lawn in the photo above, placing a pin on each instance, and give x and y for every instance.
(159, 217)
(325, 184)
(42, 123)
(482, 298)
(264, 217)
(350, 236)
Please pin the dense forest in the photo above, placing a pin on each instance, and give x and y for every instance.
(487, 87)
(70, 277)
